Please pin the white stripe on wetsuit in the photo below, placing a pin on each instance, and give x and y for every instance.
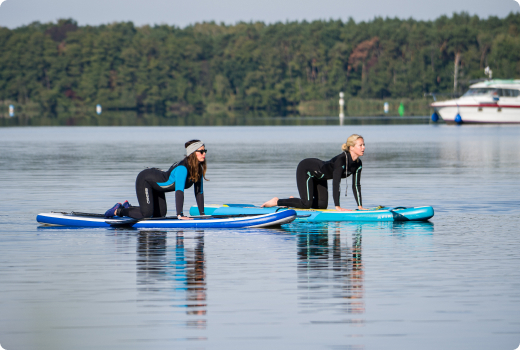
(356, 185)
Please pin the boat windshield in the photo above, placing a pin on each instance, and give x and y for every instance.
(493, 92)
(480, 92)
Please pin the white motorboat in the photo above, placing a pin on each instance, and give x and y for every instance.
(491, 101)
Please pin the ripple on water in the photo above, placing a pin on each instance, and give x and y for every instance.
(448, 283)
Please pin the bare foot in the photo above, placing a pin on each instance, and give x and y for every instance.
(270, 203)
(291, 196)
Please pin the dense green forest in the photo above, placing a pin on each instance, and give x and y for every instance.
(244, 66)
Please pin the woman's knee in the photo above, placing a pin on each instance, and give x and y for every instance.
(147, 211)
(322, 205)
(306, 204)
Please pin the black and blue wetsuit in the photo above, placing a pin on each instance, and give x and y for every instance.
(151, 186)
(311, 178)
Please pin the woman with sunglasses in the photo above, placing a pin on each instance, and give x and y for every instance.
(312, 175)
(152, 184)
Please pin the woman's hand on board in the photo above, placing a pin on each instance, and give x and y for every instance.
(342, 209)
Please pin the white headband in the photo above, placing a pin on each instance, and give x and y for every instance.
(193, 147)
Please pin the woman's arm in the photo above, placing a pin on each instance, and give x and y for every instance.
(199, 196)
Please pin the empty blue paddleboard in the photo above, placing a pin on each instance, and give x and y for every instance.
(321, 215)
(230, 221)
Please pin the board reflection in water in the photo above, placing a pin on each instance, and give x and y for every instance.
(330, 269)
(330, 264)
(177, 268)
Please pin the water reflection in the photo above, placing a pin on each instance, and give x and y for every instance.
(151, 259)
(189, 269)
(330, 269)
(181, 266)
(403, 228)
(328, 264)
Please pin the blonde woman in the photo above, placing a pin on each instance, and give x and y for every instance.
(152, 184)
(312, 175)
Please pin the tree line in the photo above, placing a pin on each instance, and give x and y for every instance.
(250, 65)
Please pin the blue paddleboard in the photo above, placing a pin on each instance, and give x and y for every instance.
(225, 221)
(321, 215)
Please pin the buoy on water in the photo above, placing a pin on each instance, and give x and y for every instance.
(458, 119)
(435, 117)
(341, 104)
(400, 109)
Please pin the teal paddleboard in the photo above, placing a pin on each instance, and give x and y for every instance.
(323, 215)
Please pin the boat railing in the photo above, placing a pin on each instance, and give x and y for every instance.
(447, 94)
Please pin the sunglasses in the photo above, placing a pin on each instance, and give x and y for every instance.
(202, 151)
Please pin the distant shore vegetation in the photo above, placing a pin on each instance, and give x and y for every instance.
(212, 67)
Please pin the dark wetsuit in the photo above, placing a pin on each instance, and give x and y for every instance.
(311, 178)
(151, 186)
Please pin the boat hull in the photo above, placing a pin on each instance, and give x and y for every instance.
(75, 220)
(489, 101)
(480, 114)
(315, 215)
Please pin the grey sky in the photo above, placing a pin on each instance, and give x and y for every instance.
(14, 13)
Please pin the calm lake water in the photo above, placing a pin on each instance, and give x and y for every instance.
(451, 283)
